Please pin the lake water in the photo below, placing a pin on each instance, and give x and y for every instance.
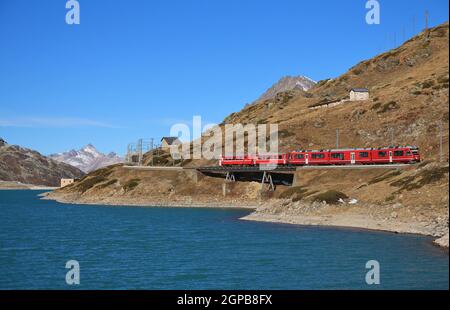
(193, 248)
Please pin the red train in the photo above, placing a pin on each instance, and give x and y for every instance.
(358, 156)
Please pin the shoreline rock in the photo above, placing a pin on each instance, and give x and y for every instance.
(442, 242)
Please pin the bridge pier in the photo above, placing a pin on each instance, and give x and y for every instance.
(230, 177)
(294, 179)
(267, 178)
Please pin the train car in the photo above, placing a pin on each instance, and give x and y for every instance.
(321, 157)
(340, 157)
(309, 157)
(272, 159)
(298, 158)
(361, 156)
(398, 154)
(237, 161)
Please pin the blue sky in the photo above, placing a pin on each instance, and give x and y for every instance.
(133, 68)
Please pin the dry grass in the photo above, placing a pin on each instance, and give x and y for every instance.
(131, 184)
(330, 197)
(424, 177)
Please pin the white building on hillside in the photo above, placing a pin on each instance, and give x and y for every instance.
(359, 94)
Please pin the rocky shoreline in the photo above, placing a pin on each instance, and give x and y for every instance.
(362, 216)
(141, 202)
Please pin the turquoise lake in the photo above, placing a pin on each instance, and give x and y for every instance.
(198, 248)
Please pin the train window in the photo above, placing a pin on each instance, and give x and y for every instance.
(382, 154)
(363, 154)
(318, 156)
(300, 156)
(338, 156)
(398, 153)
(408, 153)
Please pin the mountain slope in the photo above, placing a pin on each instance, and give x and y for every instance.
(408, 102)
(87, 158)
(28, 166)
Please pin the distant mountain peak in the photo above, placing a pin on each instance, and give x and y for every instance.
(89, 147)
(88, 158)
(287, 83)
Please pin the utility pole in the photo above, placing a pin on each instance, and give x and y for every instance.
(139, 146)
(441, 146)
(337, 138)
(392, 136)
(426, 24)
(152, 151)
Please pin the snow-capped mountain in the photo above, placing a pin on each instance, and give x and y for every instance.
(87, 159)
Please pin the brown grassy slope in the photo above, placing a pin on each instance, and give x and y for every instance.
(409, 95)
(409, 100)
(119, 185)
